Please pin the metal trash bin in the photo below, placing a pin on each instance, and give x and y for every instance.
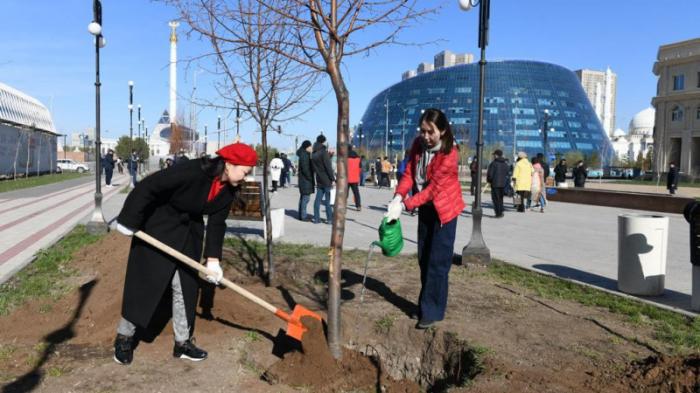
(641, 256)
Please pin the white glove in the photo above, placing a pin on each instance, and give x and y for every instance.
(393, 211)
(124, 230)
(214, 267)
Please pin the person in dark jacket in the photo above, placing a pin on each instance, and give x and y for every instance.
(305, 178)
(169, 205)
(181, 157)
(560, 172)
(108, 165)
(378, 172)
(364, 169)
(133, 166)
(497, 176)
(286, 178)
(473, 171)
(672, 179)
(323, 171)
(580, 173)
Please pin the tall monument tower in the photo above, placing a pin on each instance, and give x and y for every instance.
(172, 111)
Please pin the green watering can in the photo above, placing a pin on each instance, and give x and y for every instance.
(390, 237)
(390, 242)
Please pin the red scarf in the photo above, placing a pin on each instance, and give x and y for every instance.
(216, 186)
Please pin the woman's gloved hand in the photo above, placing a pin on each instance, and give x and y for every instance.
(214, 267)
(124, 230)
(393, 211)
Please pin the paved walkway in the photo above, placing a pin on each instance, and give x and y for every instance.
(569, 240)
(35, 218)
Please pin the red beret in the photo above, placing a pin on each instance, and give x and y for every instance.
(238, 154)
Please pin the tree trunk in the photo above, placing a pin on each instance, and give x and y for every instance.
(268, 222)
(338, 232)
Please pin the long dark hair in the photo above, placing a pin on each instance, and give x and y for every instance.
(213, 167)
(437, 117)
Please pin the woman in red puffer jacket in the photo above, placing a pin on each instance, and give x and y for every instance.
(431, 174)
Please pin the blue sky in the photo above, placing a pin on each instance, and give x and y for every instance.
(47, 52)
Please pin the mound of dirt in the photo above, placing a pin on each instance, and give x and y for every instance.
(665, 374)
(315, 367)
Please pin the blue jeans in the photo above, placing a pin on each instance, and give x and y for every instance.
(133, 176)
(362, 178)
(303, 201)
(325, 194)
(436, 243)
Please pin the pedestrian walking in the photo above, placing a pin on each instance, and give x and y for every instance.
(306, 180)
(672, 179)
(522, 176)
(133, 167)
(497, 177)
(560, 173)
(120, 165)
(364, 165)
(386, 170)
(108, 165)
(432, 171)
(276, 166)
(169, 205)
(537, 189)
(544, 165)
(286, 178)
(378, 172)
(354, 170)
(579, 173)
(323, 171)
(473, 171)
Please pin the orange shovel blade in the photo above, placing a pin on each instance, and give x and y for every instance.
(295, 328)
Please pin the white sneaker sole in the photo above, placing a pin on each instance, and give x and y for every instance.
(183, 356)
(118, 362)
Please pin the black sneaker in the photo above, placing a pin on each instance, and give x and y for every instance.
(188, 350)
(424, 324)
(123, 349)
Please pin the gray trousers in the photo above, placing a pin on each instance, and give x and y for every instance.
(180, 328)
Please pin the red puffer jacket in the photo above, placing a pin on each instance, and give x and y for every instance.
(353, 170)
(443, 187)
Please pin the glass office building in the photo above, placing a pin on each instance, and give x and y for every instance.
(517, 96)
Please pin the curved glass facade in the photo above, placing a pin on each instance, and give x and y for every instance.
(516, 97)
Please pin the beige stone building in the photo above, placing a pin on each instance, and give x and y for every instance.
(677, 104)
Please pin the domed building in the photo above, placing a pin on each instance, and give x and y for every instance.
(529, 106)
(159, 140)
(639, 137)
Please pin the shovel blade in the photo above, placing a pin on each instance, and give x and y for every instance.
(295, 328)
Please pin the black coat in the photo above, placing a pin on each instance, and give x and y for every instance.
(497, 173)
(321, 163)
(579, 174)
(169, 206)
(307, 182)
(560, 173)
(108, 162)
(672, 178)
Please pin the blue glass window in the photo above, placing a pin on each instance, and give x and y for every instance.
(491, 110)
(560, 145)
(574, 124)
(570, 114)
(584, 146)
(524, 111)
(556, 134)
(525, 122)
(436, 90)
(678, 82)
(545, 102)
(463, 89)
(536, 144)
(527, 132)
(460, 120)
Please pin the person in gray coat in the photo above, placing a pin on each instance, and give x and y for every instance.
(306, 178)
(323, 171)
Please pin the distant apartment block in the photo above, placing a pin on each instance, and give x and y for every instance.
(601, 89)
(677, 104)
(443, 59)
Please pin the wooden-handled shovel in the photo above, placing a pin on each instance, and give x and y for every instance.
(295, 328)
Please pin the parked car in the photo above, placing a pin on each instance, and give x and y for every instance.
(72, 166)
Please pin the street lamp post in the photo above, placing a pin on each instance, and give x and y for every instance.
(238, 121)
(218, 132)
(476, 251)
(139, 121)
(545, 130)
(360, 134)
(97, 224)
(386, 131)
(131, 131)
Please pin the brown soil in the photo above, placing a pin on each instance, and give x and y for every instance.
(527, 344)
(315, 367)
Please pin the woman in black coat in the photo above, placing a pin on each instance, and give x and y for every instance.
(169, 205)
(306, 179)
(580, 173)
(672, 179)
